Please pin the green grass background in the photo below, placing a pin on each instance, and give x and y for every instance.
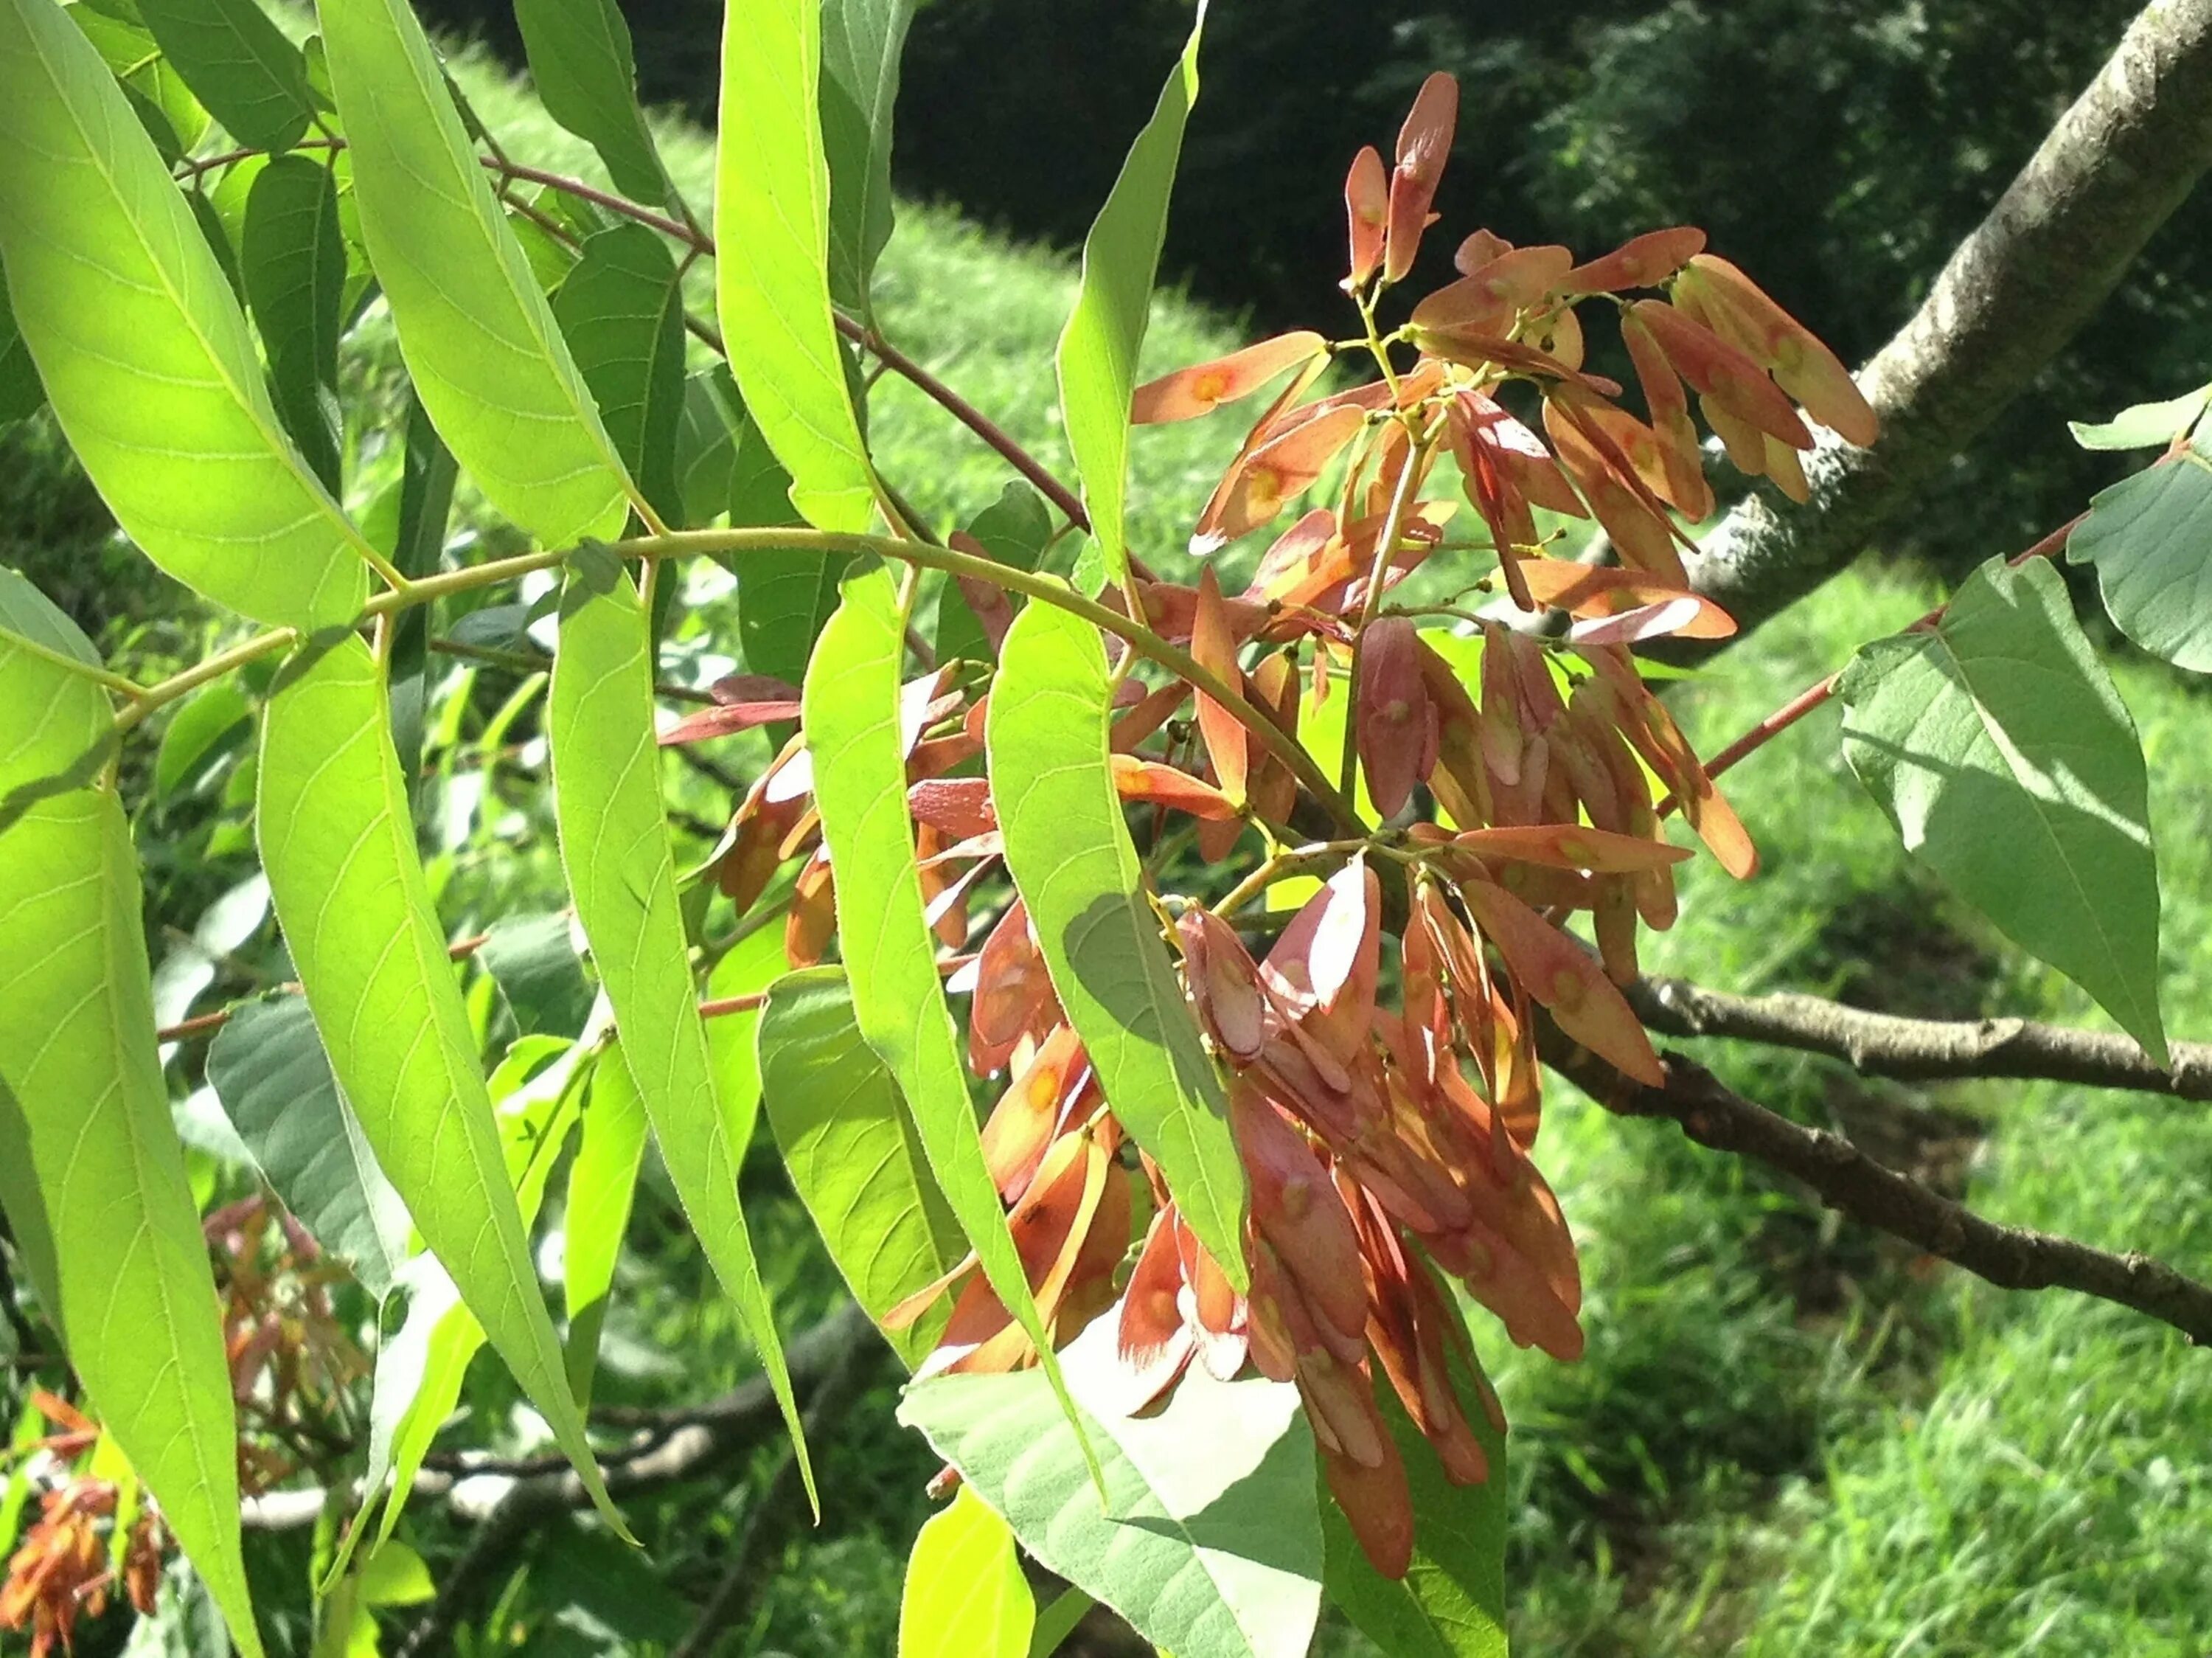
(1787, 1436)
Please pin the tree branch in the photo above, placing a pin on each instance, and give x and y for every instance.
(1848, 1181)
(2106, 177)
(1922, 1050)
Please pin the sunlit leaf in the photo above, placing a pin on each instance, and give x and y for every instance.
(268, 1068)
(2144, 425)
(1211, 1554)
(862, 40)
(1068, 849)
(772, 231)
(250, 78)
(602, 1182)
(59, 724)
(1098, 349)
(136, 1300)
(426, 473)
(621, 309)
(487, 358)
(747, 969)
(965, 1596)
(854, 1153)
(851, 718)
(2150, 537)
(621, 871)
(350, 892)
(142, 347)
(174, 118)
(1999, 746)
(294, 269)
(581, 61)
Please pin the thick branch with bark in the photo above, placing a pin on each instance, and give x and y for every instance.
(1922, 1050)
(2106, 176)
(1848, 1181)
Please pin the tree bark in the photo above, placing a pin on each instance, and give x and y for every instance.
(2117, 163)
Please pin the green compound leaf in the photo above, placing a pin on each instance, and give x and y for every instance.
(81, 1098)
(2000, 748)
(849, 710)
(965, 1596)
(350, 892)
(143, 348)
(250, 78)
(621, 309)
(861, 41)
(294, 267)
(580, 59)
(622, 870)
(487, 358)
(853, 1152)
(1208, 1544)
(2150, 539)
(268, 1067)
(1452, 1601)
(1068, 850)
(1099, 348)
(772, 286)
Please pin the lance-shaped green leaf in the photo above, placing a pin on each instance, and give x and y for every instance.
(965, 1590)
(771, 272)
(143, 348)
(349, 892)
(250, 78)
(2150, 537)
(2143, 425)
(1452, 1601)
(861, 42)
(268, 1068)
(134, 1298)
(725, 466)
(854, 1153)
(294, 268)
(586, 77)
(487, 358)
(850, 712)
(59, 724)
(2000, 748)
(621, 871)
(622, 310)
(1099, 348)
(174, 118)
(1209, 1543)
(1068, 850)
(602, 1182)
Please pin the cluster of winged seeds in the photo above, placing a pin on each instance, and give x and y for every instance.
(1382, 1075)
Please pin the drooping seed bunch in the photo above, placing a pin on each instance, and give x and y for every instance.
(1387, 1139)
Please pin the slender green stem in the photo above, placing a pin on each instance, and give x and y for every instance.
(681, 544)
(116, 682)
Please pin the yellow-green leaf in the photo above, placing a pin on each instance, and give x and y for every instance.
(849, 710)
(143, 348)
(771, 271)
(1099, 348)
(136, 1300)
(1068, 849)
(621, 871)
(479, 340)
(965, 1596)
(350, 892)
